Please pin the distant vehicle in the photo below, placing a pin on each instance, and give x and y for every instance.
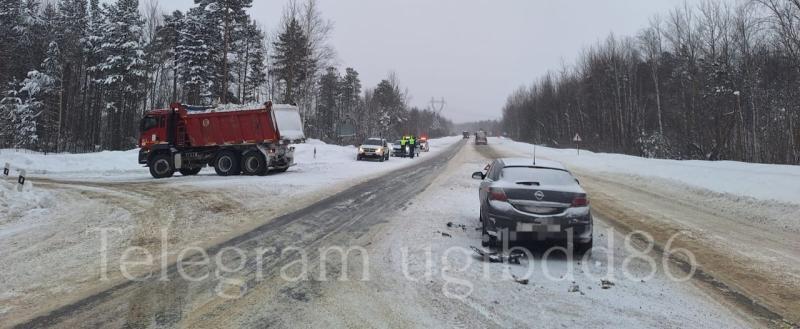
(533, 202)
(397, 149)
(466, 134)
(423, 145)
(374, 148)
(480, 138)
(403, 151)
(232, 139)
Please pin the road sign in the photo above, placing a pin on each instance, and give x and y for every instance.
(577, 141)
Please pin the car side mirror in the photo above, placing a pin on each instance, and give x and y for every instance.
(478, 175)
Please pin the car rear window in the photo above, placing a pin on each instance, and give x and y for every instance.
(543, 176)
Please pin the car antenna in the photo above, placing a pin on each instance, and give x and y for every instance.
(534, 154)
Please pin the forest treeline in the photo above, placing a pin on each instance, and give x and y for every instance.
(711, 81)
(77, 75)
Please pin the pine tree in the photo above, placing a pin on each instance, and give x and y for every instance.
(291, 58)
(52, 116)
(194, 59)
(257, 72)
(350, 92)
(163, 49)
(10, 21)
(327, 107)
(122, 67)
(229, 15)
(32, 92)
(8, 106)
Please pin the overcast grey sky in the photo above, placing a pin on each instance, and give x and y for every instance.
(474, 53)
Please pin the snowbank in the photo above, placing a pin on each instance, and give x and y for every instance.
(107, 163)
(21, 209)
(334, 160)
(759, 181)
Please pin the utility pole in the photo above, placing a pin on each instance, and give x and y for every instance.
(437, 106)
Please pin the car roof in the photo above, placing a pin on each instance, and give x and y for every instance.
(528, 162)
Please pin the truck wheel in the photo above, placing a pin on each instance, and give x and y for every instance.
(190, 171)
(254, 164)
(227, 164)
(161, 166)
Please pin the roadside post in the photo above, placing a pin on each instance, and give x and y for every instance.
(7, 169)
(21, 180)
(577, 141)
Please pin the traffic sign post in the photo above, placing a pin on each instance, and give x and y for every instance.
(577, 141)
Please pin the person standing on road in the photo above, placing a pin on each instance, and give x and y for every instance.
(403, 143)
(412, 145)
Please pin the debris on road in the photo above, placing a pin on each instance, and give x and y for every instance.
(606, 284)
(462, 226)
(574, 288)
(446, 235)
(520, 281)
(495, 257)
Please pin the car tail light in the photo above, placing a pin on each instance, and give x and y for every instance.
(497, 194)
(580, 201)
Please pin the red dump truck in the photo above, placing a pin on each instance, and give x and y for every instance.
(250, 140)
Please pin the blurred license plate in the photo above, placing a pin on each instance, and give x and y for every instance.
(530, 227)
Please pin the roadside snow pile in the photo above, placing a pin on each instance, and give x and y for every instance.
(16, 204)
(107, 163)
(759, 181)
(224, 108)
(330, 163)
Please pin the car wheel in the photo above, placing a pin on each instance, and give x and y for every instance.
(486, 239)
(580, 249)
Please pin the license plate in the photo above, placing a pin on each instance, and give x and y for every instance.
(530, 227)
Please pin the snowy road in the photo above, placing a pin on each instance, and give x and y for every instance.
(747, 250)
(333, 221)
(419, 270)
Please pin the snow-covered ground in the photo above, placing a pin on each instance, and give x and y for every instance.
(423, 274)
(331, 161)
(759, 181)
(740, 220)
(49, 238)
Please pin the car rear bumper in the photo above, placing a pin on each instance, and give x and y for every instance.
(521, 226)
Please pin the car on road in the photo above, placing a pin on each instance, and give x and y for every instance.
(466, 134)
(401, 151)
(423, 145)
(374, 148)
(523, 200)
(480, 138)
